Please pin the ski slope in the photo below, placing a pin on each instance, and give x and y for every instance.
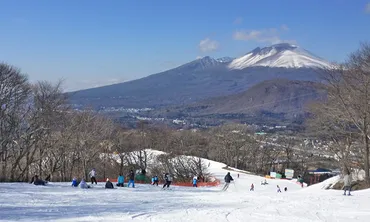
(60, 202)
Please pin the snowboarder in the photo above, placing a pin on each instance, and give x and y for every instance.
(92, 175)
(347, 183)
(278, 189)
(131, 179)
(228, 178)
(252, 187)
(83, 184)
(168, 180)
(195, 181)
(74, 182)
(109, 185)
(120, 181)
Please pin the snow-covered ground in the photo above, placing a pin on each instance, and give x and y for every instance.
(60, 202)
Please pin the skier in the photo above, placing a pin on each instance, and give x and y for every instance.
(347, 183)
(252, 187)
(156, 180)
(131, 179)
(278, 189)
(195, 181)
(228, 179)
(109, 185)
(286, 189)
(92, 175)
(83, 184)
(74, 182)
(120, 181)
(168, 180)
(238, 176)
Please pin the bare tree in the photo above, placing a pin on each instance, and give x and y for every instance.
(348, 96)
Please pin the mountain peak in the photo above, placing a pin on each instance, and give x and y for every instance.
(279, 55)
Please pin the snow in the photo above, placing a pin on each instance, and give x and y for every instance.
(280, 55)
(60, 202)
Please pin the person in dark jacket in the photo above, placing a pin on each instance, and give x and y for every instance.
(228, 179)
(108, 184)
(131, 177)
(37, 181)
(168, 180)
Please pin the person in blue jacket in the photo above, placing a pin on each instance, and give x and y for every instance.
(74, 182)
(120, 181)
(156, 180)
(195, 181)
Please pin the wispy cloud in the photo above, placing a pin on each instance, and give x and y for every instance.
(367, 8)
(208, 45)
(284, 27)
(238, 21)
(271, 35)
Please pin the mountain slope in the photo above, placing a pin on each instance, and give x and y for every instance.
(198, 80)
(277, 100)
(275, 96)
(280, 55)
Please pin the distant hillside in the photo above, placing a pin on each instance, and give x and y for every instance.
(275, 96)
(278, 98)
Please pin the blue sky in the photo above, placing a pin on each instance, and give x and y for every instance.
(90, 43)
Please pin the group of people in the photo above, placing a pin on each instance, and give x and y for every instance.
(120, 181)
(228, 178)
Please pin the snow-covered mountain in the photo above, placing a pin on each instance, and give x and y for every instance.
(282, 55)
(205, 78)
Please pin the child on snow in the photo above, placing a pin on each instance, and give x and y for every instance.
(195, 181)
(83, 184)
(74, 182)
(252, 187)
(120, 181)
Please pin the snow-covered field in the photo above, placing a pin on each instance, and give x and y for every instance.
(60, 202)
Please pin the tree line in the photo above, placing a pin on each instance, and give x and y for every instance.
(41, 134)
